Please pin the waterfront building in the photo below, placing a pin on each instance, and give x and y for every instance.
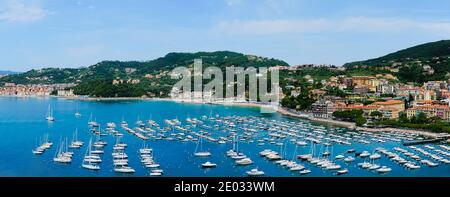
(390, 109)
(441, 111)
(323, 109)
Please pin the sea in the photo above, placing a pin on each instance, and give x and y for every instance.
(23, 125)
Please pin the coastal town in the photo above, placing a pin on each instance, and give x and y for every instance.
(380, 98)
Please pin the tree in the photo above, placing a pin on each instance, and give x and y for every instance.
(421, 118)
(411, 73)
(334, 91)
(403, 118)
(376, 114)
(360, 120)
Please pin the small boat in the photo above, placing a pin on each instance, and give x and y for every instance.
(202, 154)
(374, 167)
(255, 172)
(124, 169)
(38, 151)
(384, 169)
(50, 116)
(349, 159)
(209, 165)
(364, 154)
(155, 174)
(245, 161)
(344, 171)
(77, 113)
(305, 171)
(374, 156)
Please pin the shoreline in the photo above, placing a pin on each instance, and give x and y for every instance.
(348, 125)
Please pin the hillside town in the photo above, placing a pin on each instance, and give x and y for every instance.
(370, 101)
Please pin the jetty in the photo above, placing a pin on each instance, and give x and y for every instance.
(425, 141)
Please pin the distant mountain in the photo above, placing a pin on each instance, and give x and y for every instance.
(420, 52)
(7, 72)
(421, 63)
(137, 70)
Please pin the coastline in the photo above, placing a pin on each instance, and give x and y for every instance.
(348, 125)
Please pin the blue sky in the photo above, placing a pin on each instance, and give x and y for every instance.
(74, 33)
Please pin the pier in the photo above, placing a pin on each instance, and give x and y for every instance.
(426, 141)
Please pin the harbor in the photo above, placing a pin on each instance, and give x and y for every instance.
(164, 138)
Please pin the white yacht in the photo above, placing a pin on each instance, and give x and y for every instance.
(255, 172)
(202, 154)
(344, 171)
(209, 165)
(123, 169)
(245, 161)
(375, 156)
(384, 169)
(364, 154)
(305, 171)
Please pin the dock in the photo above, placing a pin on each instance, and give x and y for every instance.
(426, 141)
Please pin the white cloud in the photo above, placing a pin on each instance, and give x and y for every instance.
(18, 11)
(354, 24)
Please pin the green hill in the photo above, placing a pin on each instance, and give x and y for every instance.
(421, 63)
(134, 78)
(420, 52)
(137, 70)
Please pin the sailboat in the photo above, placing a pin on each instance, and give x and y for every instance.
(89, 159)
(50, 116)
(121, 162)
(38, 150)
(77, 113)
(145, 149)
(61, 156)
(201, 153)
(75, 142)
(92, 122)
(234, 153)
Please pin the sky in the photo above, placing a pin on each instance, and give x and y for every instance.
(76, 33)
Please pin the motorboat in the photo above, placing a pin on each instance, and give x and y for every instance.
(384, 169)
(255, 172)
(245, 161)
(209, 165)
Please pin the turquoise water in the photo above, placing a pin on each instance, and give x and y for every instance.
(22, 122)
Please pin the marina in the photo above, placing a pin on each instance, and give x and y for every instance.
(181, 139)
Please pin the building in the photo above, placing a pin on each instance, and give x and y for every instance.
(386, 89)
(323, 109)
(441, 111)
(361, 89)
(362, 80)
(390, 109)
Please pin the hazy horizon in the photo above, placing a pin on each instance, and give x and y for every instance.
(79, 33)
